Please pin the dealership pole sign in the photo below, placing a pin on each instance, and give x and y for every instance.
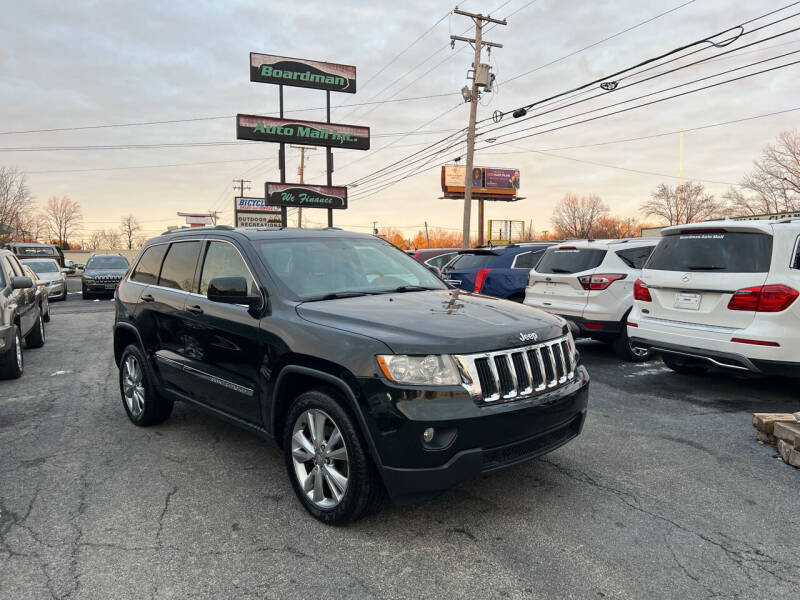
(306, 196)
(299, 72)
(313, 133)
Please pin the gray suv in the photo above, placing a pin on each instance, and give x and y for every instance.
(20, 316)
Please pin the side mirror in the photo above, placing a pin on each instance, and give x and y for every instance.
(21, 283)
(232, 290)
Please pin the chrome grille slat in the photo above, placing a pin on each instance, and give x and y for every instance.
(498, 377)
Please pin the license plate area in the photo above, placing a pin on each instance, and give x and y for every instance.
(111, 286)
(687, 301)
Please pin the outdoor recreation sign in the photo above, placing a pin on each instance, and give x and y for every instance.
(299, 72)
(306, 196)
(290, 131)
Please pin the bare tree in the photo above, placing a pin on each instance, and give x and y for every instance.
(63, 218)
(686, 203)
(774, 183)
(111, 239)
(96, 239)
(130, 227)
(15, 201)
(576, 217)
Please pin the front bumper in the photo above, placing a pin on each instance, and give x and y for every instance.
(100, 287)
(469, 439)
(6, 337)
(57, 290)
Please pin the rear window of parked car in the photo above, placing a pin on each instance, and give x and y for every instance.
(732, 252)
(471, 261)
(149, 265)
(177, 271)
(635, 258)
(570, 260)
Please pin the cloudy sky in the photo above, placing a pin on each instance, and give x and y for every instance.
(80, 64)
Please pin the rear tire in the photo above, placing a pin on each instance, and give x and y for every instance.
(142, 402)
(36, 338)
(623, 349)
(45, 316)
(317, 476)
(683, 366)
(12, 363)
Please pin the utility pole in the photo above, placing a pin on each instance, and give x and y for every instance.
(300, 170)
(477, 43)
(427, 237)
(242, 187)
(374, 228)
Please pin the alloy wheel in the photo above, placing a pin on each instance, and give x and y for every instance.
(319, 455)
(19, 352)
(637, 351)
(132, 386)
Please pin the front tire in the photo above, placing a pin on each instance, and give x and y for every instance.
(684, 367)
(36, 337)
(143, 404)
(327, 461)
(12, 363)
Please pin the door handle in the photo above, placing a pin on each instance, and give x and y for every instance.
(147, 298)
(195, 309)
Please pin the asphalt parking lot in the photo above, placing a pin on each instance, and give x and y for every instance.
(666, 494)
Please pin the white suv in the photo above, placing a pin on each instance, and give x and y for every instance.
(722, 293)
(590, 284)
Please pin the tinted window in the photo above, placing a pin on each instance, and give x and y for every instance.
(527, 260)
(107, 262)
(471, 261)
(441, 260)
(570, 260)
(317, 267)
(796, 255)
(734, 252)
(35, 251)
(149, 265)
(177, 272)
(635, 257)
(223, 260)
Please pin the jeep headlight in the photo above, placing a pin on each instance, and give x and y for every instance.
(420, 370)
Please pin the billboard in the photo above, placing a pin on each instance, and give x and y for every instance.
(306, 196)
(291, 131)
(501, 178)
(255, 204)
(266, 68)
(488, 183)
(269, 220)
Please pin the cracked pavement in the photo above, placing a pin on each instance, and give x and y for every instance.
(666, 494)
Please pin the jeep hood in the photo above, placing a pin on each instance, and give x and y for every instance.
(436, 322)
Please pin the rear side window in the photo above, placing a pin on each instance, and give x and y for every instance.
(441, 260)
(570, 260)
(471, 261)
(732, 252)
(635, 258)
(796, 255)
(177, 272)
(526, 260)
(149, 265)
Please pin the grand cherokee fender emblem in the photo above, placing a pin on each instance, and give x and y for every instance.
(528, 337)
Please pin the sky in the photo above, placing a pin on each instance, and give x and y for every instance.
(79, 64)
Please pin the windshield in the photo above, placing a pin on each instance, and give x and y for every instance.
(36, 251)
(107, 262)
(569, 260)
(42, 266)
(734, 252)
(321, 267)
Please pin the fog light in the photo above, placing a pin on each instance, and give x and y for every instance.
(427, 435)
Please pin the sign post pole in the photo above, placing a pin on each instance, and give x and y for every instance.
(328, 153)
(282, 160)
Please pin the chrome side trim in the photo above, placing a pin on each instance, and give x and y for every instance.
(207, 376)
(684, 325)
(690, 290)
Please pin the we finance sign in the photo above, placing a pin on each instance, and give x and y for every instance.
(313, 133)
(265, 68)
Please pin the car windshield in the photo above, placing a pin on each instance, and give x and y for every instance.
(36, 251)
(107, 262)
(42, 266)
(322, 268)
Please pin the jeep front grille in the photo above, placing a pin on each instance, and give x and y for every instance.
(518, 372)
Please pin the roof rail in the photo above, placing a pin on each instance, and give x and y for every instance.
(182, 229)
(787, 220)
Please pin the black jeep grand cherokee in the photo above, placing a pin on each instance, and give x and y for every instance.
(364, 367)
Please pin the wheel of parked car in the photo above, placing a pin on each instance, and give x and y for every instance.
(46, 315)
(36, 337)
(144, 405)
(64, 295)
(684, 367)
(328, 464)
(11, 361)
(623, 348)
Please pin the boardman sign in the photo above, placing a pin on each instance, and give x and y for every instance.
(269, 129)
(265, 68)
(306, 196)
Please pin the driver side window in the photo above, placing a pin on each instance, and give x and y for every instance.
(223, 260)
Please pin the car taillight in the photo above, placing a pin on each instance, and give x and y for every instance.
(480, 277)
(766, 298)
(640, 291)
(600, 282)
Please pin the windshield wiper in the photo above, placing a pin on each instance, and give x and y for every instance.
(337, 295)
(705, 268)
(413, 288)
